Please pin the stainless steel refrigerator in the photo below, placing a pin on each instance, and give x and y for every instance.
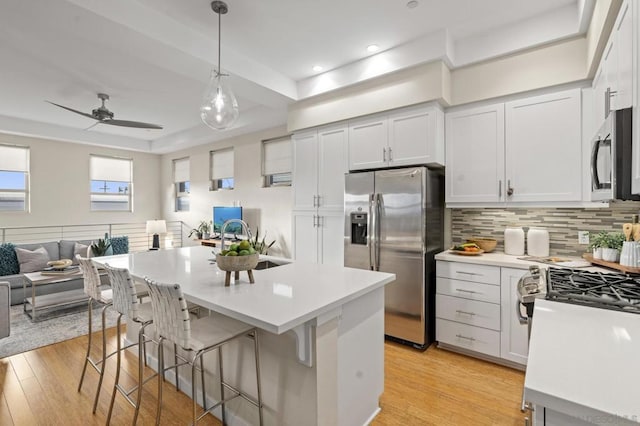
(394, 222)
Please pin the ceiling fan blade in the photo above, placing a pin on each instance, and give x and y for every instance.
(127, 123)
(73, 110)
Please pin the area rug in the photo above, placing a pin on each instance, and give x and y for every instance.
(52, 328)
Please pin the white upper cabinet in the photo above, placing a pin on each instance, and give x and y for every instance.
(332, 165)
(543, 148)
(409, 136)
(475, 155)
(613, 81)
(524, 151)
(624, 39)
(319, 168)
(368, 143)
(415, 137)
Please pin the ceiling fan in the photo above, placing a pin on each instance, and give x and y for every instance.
(104, 116)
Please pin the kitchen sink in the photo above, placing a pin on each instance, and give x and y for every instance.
(267, 264)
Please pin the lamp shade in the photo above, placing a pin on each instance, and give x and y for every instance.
(219, 109)
(156, 227)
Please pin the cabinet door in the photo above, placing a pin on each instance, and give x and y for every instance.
(332, 150)
(624, 45)
(543, 148)
(305, 170)
(514, 339)
(368, 143)
(412, 137)
(475, 155)
(305, 236)
(610, 68)
(599, 85)
(331, 240)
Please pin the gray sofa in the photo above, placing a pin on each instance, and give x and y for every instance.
(63, 249)
(4, 310)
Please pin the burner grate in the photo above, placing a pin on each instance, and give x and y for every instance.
(608, 291)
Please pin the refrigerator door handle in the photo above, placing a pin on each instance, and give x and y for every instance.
(377, 232)
(371, 232)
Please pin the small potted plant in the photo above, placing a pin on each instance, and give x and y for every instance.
(101, 248)
(611, 246)
(202, 231)
(261, 246)
(598, 241)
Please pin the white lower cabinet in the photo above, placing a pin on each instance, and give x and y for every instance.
(475, 310)
(514, 341)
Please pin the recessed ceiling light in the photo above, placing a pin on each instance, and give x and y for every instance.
(413, 3)
(317, 68)
(373, 48)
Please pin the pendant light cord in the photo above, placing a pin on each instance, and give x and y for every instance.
(219, 37)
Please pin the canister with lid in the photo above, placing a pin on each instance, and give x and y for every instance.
(538, 242)
(514, 241)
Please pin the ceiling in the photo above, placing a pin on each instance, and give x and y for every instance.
(154, 57)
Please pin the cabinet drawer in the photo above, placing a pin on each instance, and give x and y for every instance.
(468, 272)
(481, 314)
(468, 290)
(468, 337)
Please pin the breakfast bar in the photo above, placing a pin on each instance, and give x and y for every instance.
(321, 341)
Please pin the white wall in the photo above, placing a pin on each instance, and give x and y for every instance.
(267, 208)
(59, 173)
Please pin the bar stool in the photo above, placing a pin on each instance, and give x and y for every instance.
(197, 337)
(126, 302)
(102, 295)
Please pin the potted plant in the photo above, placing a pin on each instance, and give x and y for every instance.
(202, 231)
(260, 246)
(611, 246)
(598, 241)
(101, 248)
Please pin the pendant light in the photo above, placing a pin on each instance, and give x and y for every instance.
(219, 108)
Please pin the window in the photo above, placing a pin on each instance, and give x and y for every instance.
(111, 184)
(181, 173)
(221, 169)
(276, 162)
(14, 178)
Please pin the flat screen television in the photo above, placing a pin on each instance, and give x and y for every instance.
(222, 214)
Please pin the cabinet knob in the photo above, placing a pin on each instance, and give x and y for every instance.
(509, 188)
(384, 154)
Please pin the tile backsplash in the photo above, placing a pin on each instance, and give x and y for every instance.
(563, 224)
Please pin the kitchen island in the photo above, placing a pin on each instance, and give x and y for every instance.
(583, 365)
(321, 340)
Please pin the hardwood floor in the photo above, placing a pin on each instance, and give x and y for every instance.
(435, 387)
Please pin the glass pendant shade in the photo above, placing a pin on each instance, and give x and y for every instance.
(219, 109)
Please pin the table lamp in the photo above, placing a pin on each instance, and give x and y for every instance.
(156, 227)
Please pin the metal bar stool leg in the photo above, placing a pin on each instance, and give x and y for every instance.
(224, 418)
(86, 358)
(257, 354)
(160, 378)
(104, 358)
(117, 378)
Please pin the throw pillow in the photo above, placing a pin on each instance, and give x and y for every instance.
(120, 245)
(32, 261)
(8, 260)
(81, 249)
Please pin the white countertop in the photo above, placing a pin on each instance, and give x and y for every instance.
(585, 362)
(281, 299)
(510, 261)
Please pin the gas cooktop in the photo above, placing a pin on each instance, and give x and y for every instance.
(609, 291)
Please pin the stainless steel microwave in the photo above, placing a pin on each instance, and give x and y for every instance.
(611, 159)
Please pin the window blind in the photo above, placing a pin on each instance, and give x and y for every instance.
(276, 156)
(181, 170)
(14, 158)
(110, 169)
(222, 164)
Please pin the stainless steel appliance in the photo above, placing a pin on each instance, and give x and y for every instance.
(611, 158)
(394, 223)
